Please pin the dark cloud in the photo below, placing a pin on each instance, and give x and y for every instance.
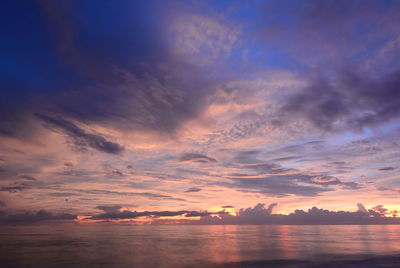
(287, 158)
(247, 157)
(352, 101)
(248, 160)
(198, 214)
(197, 158)
(227, 206)
(62, 194)
(93, 54)
(127, 214)
(117, 172)
(285, 184)
(14, 187)
(261, 215)
(156, 99)
(347, 89)
(29, 178)
(378, 211)
(193, 190)
(339, 163)
(112, 208)
(15, 169)
(310, 35)
(115, 212)
(146, 194)
(30, 217)
(386, 168)
(60, 24)
(270, 178)
(80, 136)
(120, 74)
(277, 185)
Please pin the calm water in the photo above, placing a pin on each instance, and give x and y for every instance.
(193, 246)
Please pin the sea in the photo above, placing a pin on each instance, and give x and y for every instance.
(118, 245)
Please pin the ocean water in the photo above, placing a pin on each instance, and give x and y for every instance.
(199, 246)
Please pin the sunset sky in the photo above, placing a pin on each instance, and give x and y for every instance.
(198, 107)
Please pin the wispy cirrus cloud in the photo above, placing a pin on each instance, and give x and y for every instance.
(80, 136)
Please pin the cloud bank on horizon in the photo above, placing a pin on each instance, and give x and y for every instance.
(188, 108)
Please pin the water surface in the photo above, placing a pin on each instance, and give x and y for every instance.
(198, 246)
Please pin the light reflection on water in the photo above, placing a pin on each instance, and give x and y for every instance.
(180, 246)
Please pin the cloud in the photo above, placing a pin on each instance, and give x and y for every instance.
(261, 215)
(119, 193)
(157, 99)
(378, 211)
(361, 208)
(62, 194)
(199, 214)
(60, 26)
(92, 60)
(315, 24)
(196, 158)
(287, 158)
(386, 168)
(346, 89)
(30, 217)
(113, 208)
(81, 137)
(14, 187)
(278, 185)
(186, 98)
(351, 101)
(201, 39)
(115, 212)
(193, 190)
(29, 178)
(258, 176)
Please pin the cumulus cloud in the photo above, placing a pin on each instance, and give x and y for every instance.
(361, 208)
(378, 211)
(261, 215)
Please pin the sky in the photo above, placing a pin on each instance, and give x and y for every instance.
(204, 111)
